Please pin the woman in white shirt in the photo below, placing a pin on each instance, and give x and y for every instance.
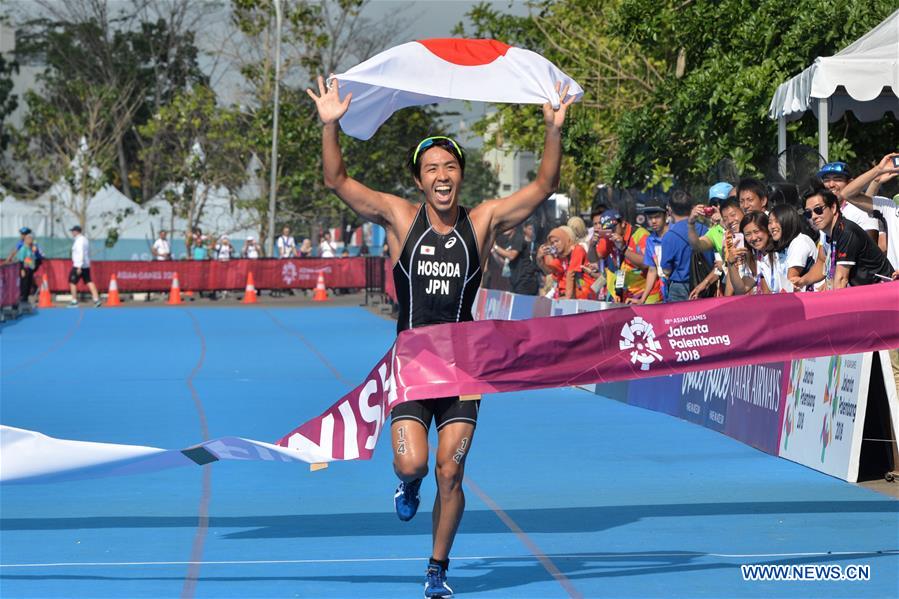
(224, 251)
(795, 252)
(751, 269)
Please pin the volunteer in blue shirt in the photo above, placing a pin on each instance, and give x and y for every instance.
(676, 251)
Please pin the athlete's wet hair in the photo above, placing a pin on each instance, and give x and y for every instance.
(447, 143)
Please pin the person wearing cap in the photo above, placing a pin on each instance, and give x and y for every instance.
(26, 256)
(251, 249)
(835, 176)
(657, 221)
(23, 232)
(81, 267)
(713, 240)
(161, 249)
(623, 255)
(868, 201)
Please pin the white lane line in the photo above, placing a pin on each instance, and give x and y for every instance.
(460, 559)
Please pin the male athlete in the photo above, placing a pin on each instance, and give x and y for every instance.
(438, 249)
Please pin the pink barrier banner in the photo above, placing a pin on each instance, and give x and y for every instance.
(9, 285)
(596, 347)
(210, 275)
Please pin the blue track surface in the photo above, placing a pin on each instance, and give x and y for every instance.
(569, 494)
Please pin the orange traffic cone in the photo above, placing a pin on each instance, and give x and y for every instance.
(44, 300)
(321, 294)
(112, 299)
(175, 292)
(249, 296)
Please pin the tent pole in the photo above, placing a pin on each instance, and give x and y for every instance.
(782, 146)
(822, 129)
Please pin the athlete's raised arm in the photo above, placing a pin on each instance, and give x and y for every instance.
(512, 210)
(371, 205)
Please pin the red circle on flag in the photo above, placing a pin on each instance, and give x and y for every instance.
(468, 53)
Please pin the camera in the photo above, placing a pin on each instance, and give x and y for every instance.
(896, 161)
(708, 210)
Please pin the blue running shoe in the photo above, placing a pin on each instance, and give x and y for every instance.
(406, 499)
(435, 583)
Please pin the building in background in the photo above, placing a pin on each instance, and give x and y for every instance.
(513, 169)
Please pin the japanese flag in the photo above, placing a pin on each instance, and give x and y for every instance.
(438, 70)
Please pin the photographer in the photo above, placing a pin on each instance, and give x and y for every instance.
(565, 261)
(625, 267)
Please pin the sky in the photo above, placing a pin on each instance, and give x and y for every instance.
(425, 19)
(437, 18)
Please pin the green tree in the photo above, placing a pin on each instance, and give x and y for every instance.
(616, 76)
(74, 140)
(200, 148)
(719, 78)
(146, 49)
(8, 100)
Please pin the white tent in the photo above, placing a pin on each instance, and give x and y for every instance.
(104, 209)
(15, 214)
(220, 217)
(863, 78)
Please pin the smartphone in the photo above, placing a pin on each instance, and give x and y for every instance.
(738, 241)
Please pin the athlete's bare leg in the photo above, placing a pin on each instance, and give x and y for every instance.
(453, 445)
(410, 449)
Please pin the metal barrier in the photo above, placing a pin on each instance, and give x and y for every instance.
(374, 279)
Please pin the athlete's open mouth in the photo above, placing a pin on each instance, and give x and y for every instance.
(444, 192)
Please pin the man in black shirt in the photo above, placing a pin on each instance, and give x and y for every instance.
(851, 256)
(514, 248)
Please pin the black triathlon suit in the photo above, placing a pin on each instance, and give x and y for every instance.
(437, 278)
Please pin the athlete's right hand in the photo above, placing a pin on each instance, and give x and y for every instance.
(328, 102)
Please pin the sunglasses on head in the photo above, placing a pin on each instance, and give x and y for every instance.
(430, 141)
(819, 210)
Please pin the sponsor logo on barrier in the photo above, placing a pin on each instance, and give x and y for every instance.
(289, 273)
(158, 275)
(638, 336)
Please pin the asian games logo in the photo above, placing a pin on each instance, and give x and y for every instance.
(638, 336)
(288, 273)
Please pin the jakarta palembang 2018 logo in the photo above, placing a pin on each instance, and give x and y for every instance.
(639, 337)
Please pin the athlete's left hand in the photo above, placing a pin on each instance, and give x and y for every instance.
(554, 117)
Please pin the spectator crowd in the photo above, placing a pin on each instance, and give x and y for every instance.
(742, 238)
